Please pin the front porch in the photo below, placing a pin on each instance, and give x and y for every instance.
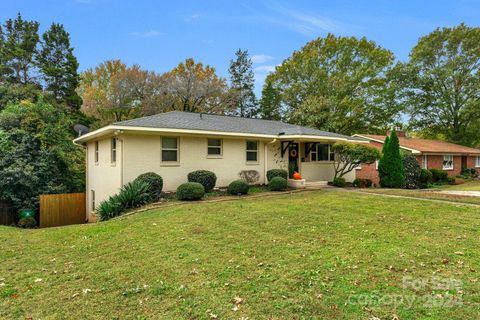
(313, 159)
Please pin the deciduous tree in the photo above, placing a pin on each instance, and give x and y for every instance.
(348, 156)
(337, 84)
(441, 84)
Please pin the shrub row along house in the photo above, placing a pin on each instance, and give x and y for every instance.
(175, 143)
(430, 154)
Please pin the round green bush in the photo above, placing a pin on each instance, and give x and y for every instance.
(277, 173)
(412, 171)
(238, 187)
(426, 178)
(339, 182)
(362, 183)
(28, 223)
(439, 175)
(278, 184)
(190, 191)
(206, 178)
(155, 183)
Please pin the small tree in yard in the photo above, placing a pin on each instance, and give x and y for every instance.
(348, 156)
(390, 167)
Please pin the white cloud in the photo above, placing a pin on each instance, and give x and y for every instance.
(148, 34)
(261, 58)
(192, 17)
(265, 69)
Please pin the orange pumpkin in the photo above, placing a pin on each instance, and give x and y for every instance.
(297, 176)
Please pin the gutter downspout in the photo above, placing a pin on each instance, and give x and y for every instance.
(265, 165)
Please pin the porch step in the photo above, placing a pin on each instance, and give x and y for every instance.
(315, 184)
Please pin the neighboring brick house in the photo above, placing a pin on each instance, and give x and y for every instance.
(430, 154)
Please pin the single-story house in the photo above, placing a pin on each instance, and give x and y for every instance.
(430, 154)
(175, 143)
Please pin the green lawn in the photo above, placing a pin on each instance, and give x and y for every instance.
(469, 186)
(312, 255)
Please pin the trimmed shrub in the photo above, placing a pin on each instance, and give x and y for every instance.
(27, 223)
(390, 167)
(469, 172)
(362, 183)
(206, 178)
(412, 171)
(277, 173)
(155, 183)
(238, 187)
(132, 195)
(339, 182)
(439, 176)
(451, 180)
(278, 184)
(426, 178)
(190, 191)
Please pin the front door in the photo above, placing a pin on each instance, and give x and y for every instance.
(293, 154)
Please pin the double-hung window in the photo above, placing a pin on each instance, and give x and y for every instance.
(447, 162)
(113, 151)
(169, 149)
(477, 162)
(252, 151)
(214, 147)
(322, 152)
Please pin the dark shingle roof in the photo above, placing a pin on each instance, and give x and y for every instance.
(211, 122)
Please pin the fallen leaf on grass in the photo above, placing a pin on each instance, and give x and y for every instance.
(459, 253)
(38, 280)
(85, 291)
(445, 261)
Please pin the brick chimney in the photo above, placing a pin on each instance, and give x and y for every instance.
(400, 133)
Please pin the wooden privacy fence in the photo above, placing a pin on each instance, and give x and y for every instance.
(62, 209)
(8, 216)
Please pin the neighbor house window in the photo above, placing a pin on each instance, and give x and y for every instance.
(425, 162)
(252, 151)
(96, 151)
(447, 162)
(214, 147)
(322, 152)
(169, 149)
(114, 150)
(477, 162)
(92, 192)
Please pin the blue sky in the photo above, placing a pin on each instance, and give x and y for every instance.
(159, 34)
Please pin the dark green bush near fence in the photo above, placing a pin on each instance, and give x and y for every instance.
(155, 183)
(190, 191)
(206, 178)
(277, 173)
(132, 195)
(27, 223)
(278, 184)
(238, 187)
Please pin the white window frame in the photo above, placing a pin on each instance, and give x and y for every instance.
(447, 157)
(359, 167)
(425, 161)
(167, 162)
(219, 155)
(113, 150)
(251, 150)
(315, 151)
(477, 162)
(96, 153)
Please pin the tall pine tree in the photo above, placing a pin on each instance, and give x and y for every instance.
(269, 107)
(242, 83)
(19, 39)
(59, 66)
(390, 168)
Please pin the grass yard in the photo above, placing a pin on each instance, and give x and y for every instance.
(435, 194)
(313, 255)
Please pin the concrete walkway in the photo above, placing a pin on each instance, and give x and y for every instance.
(462, 193)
